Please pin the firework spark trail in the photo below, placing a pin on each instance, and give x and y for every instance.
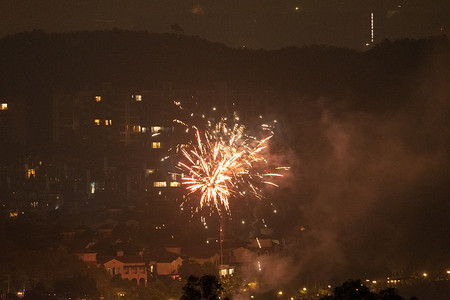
(223, 162)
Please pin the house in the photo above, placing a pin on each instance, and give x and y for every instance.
(201, 254)
(132, 224)
(226, 270)
(263, 245)
(164, 263)
(128, 267)
(261, 242)
(87, 256)
(104, 231)
(68, 235)
(243, 255)
(83, 231)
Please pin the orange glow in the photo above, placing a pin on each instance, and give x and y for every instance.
(221, 160)
(31, 173)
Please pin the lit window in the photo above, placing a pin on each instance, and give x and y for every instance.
(136, 128)
(98, 98)
(4, 106)
(174, 184)
(156, 129)
(108, 122)
(138, 97)
(97, 121)
(156, 145)
(159, 184)
(150, 171)
(31, 173)
(144, 129)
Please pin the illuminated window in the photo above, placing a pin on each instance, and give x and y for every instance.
(4, 106)
(156, 145)
(136, 128)
(144, 129)
(150, 171)
(159, 184)
(138, 97)
(31, 173)
(156, 129)
(98, 98)
(97, 121)
(108, 122)
(174, 184)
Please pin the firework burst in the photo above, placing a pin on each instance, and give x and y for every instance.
(224, 161)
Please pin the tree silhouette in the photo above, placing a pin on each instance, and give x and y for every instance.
(206, 287)
(356, 290)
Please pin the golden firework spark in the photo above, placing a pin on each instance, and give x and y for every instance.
(223, 162)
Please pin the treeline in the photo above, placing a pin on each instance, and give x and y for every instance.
(35, 61)
(385, 77)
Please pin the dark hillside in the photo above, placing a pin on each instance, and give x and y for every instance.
(33, 64)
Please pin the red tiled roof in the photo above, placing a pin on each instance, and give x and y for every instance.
(162, 256)
(124, 259)
(200, 252)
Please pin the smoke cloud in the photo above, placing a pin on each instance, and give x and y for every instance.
(370, 186)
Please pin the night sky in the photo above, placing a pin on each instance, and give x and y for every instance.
(268, 24)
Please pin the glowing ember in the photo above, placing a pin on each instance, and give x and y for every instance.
(223, 162)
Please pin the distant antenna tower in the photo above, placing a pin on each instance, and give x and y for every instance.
(371, 27)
